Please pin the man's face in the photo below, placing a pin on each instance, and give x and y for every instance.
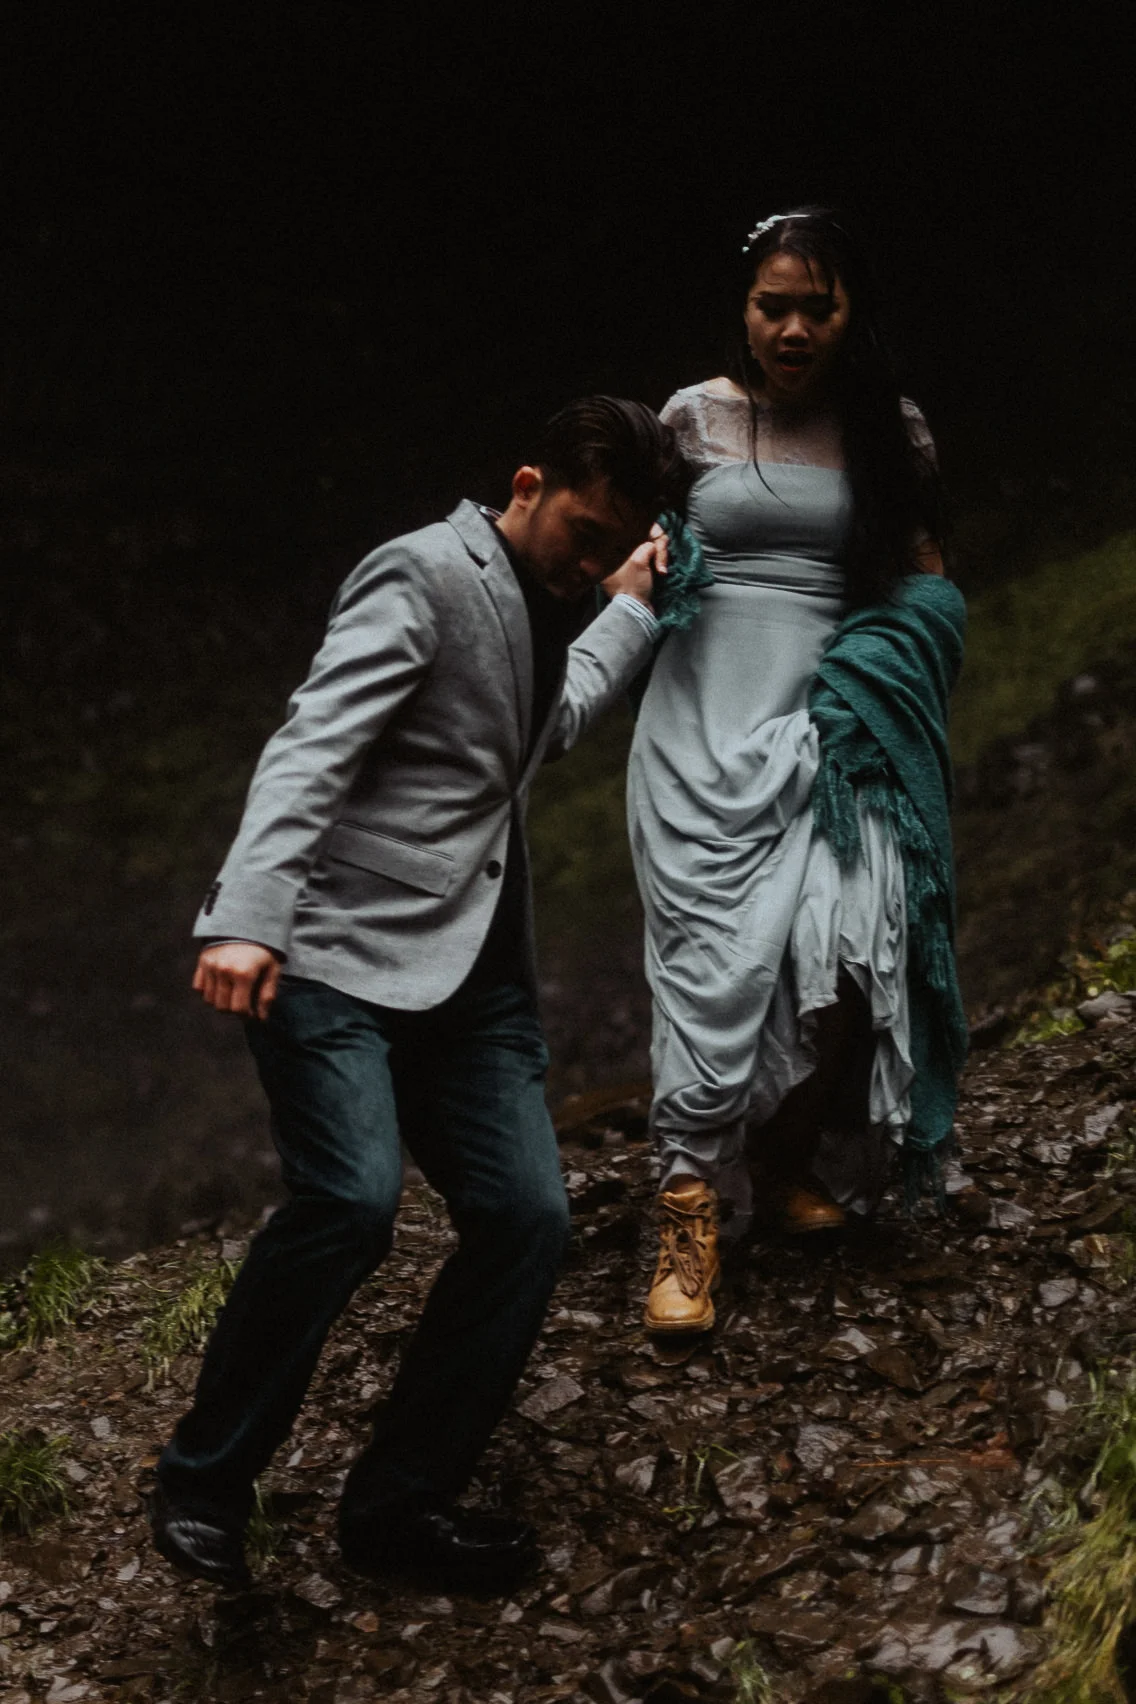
(571, 539)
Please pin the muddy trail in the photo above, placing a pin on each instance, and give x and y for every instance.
(844, 1490)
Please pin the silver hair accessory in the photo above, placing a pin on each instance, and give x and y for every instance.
(759, 230)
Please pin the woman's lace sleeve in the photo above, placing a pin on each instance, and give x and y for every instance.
(683, 416)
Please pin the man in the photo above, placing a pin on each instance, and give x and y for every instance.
(372, 922)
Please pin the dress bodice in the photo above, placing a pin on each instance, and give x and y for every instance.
(779, 525)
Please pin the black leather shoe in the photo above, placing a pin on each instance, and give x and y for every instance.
(206, 1548)
(440, 1545)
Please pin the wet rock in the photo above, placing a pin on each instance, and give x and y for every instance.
(318, 1592)
(644, 1665)
(1054, 1293)
(638, 1475)
(1027, 1599)
(876, 1519)
(795, 1633)
(620, 1588)
(1098, 1124)
(829, 1405)
(1100, 1253)
(927, 1647)
(1111, 1214)
(1006, 1650)
(920, 1559)
(977, 1592)
(848, 1345)
(740, 1578)
(895, 1364)
(744, 1489)
(653, 1409)
(802, 1634)
(580, 1319)
(1106, 1005)
(921, 1485)
(817, 1446)
(1009, 1216)
(549, 1398)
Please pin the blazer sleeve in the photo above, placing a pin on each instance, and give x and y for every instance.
(381, 638)
(601, 665)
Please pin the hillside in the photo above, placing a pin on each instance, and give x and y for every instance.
(854, 1494)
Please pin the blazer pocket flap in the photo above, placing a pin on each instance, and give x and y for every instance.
(414, 866)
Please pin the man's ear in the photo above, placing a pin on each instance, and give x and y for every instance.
(528, 484)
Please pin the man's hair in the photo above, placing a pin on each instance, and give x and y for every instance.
(607, 437)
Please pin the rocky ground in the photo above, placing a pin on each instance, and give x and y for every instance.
(840, 1493)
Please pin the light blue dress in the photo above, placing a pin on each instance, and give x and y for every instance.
(748, 916)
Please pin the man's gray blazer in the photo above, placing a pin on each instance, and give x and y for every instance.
(374, 837)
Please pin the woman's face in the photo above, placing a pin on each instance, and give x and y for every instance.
(794, 326)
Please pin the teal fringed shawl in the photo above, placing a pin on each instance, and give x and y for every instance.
(675, 595)
(879, 703)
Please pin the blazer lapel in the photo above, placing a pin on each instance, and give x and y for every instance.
(500, 583)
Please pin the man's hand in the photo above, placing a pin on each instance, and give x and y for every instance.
(238, 976)
(634, 577)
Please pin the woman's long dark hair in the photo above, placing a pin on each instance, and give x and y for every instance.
(896, 490)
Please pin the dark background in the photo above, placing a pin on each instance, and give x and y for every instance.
(340, 257)
(279, 283)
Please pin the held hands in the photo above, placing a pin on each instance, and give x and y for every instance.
(238, 976)
(634, 577)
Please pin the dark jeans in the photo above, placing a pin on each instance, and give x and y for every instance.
(464, 1083)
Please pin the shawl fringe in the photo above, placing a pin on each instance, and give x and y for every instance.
(856, 770)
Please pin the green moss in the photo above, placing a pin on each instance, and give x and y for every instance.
(1047, 1026)
(32, 1483)
(1025, 638)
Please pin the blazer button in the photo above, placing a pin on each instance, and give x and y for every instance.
(493, 869)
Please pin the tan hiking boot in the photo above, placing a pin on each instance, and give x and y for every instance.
(688, 1269)
(805, 1207)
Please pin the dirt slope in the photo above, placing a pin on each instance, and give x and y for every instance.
(837, 1485)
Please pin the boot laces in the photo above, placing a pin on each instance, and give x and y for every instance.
(684, 1233)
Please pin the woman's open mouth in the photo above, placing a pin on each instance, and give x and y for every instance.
(793, 360)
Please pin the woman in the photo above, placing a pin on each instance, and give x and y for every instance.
(773, 837)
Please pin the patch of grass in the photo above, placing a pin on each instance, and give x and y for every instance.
(753, 1682)
(694, 1465)
(183, 1321)
(265, 1533)
(54, 1289)
(1026, 637)
(1092, 1580)
(33, 1486)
